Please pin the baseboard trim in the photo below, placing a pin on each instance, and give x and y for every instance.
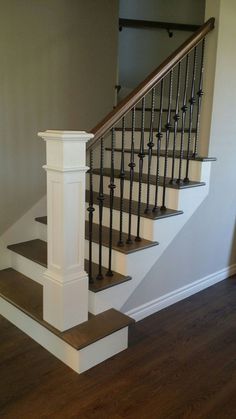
(179, 294)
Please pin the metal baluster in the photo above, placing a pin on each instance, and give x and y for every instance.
(131, 166)
(168, 127)
(90, 210)
(111, 187)
(176, 119)
(192, 102)
(141, 156)
(159, 137)
(150, 147)
(122, 181)
(184, 110)
(101, 201)
(199, 103)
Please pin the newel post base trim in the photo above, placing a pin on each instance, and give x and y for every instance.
(65, 296)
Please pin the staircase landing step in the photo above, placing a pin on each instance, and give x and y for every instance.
(36, 250)
(127, 248)
(190, 184)
(27, 296)
(170, 154)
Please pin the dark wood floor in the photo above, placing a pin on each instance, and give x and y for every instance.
(181, 363)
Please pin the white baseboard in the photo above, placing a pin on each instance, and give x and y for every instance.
(179, 294)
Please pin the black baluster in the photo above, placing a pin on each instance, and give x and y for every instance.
(122, 181)
(192, 102)
(176, 121)
(159, 137)
(131, 166)
(150, 147)
(141, 156)
(101, 202)
(168, 127)
(199, 102)
(184, 110)
(111, 187)
(90, 210)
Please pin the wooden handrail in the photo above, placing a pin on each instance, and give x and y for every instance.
(149, 24)
(101, 129)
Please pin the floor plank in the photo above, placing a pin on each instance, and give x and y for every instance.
(181, 363)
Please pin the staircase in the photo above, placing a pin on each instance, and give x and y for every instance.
(145, 180)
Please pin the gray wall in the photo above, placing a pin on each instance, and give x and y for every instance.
(57, 71)
(207, 242)
(142, 50)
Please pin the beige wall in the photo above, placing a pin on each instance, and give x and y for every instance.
(57, 71)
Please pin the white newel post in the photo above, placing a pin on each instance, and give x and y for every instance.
(65, 295)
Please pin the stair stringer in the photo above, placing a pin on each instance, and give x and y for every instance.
(140, 263)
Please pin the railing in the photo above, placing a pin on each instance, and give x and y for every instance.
(173, 92)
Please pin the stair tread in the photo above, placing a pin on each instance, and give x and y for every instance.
(126, 248)
(153, 215)
(139, 129)
(36, 250)
(190, 184)
(162, 154)
(27, 296)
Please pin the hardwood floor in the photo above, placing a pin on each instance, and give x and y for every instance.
(181, 363)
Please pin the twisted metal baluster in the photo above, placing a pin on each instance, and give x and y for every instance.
(111, 187)
(150, 147)
(141, 156)
(90, 210)
(131, 166)
(199, 102)
(101, 201)
(184, 110)
(168, 127)
(159, 137)
(122, 181)
(192, 102)
(176, 119)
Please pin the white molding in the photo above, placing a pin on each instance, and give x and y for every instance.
(79, 360)
(179, 294)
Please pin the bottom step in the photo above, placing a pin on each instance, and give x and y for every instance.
(83, 346)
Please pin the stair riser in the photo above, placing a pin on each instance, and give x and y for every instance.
(27, 267)
(171, 194)
(194, 166)
(137, 135)
(146, 225)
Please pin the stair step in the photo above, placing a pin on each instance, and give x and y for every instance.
(152, 215)
(127, 248)
(162, 154)
(36, 250)
(190, 184)
(27, 296)
(138, 129)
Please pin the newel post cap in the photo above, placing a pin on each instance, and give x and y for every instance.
(58, 135)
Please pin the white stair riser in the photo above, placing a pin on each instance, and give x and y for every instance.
(194, 166)
(79, 360)
(171, 193)
(27, 267)
(137, 136)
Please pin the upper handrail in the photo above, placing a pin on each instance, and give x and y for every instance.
(101, 129)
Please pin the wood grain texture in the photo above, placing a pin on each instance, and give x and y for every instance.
(180, 364)
(27, 296)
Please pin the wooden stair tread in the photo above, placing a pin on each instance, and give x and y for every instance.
(36, 250)
(152, 215)
(138, 129)
(190, 184)
(162, 154)
(27, 296)
(127, 248)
